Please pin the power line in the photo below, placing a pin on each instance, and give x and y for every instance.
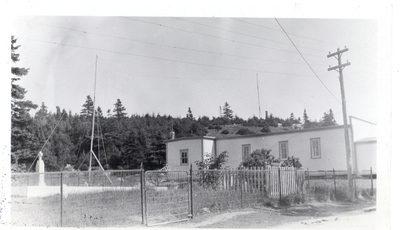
(213, 36)
(243, 34)
(307, 61)
(161, 45)
(266, 27)
(162, 59)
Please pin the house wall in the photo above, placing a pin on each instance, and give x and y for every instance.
(333, 152)
(194, 147)
(197, 149)
(366, 155)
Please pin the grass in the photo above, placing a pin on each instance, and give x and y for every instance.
(123, 208)
(324, 190)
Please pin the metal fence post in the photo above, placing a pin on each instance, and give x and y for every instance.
(355, 183)
(61, 204)
(372, 183)
(309, 185)
(142, 195)
(191, 191)
(334, 182)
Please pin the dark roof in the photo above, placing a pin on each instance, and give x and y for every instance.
(191, 138)
(260, 134)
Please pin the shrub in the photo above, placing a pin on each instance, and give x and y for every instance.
(225, 132)
(84, 167)
(285, 201)
(341, 193)
(211, 178)
(266, 129)
(259, 158)
(244, 131)
(292, 162)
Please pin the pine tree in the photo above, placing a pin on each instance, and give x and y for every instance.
(328, 119)
(119, 110)
(189, 114)
(227, 111)
(87, 110)
(21, 134)
(306, 120)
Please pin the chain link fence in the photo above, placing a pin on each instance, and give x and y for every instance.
(333, 185)
(133, 197)
(76, 199)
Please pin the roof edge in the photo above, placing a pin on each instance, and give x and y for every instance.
(192, 138)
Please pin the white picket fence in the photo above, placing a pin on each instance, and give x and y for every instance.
(274, 181)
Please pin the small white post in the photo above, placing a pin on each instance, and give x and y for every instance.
(40, 169)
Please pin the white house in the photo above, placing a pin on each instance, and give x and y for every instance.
(318, 149)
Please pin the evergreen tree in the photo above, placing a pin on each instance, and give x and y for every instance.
(189, 114)
(328, 119)
(306, 120)
(21, 134)
(87, 110)
(119, 110)
(227, 111)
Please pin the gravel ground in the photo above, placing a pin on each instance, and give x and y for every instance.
(327, 215)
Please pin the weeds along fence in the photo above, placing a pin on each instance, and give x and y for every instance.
(133, 197)
(333, 185)
(76, 199)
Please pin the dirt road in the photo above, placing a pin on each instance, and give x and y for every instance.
(306, 216)
(326, 215)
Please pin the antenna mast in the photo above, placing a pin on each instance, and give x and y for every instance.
(258, 92)
(93, 120)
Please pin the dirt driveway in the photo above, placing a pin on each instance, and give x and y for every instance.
(326, 215)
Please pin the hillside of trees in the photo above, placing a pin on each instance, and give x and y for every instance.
(120, 141)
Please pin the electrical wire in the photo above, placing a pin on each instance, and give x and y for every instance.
(162, 59)
(307, 62)
(161, 45)
(243, 34)
(214, 36)
(266, 27)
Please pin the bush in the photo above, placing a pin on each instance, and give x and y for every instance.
(266, 129)
(244, 131)
(211, 179)
(292, 162)
(225, 132)
(285, 201)
(84, 167)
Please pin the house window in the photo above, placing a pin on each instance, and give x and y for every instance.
(184, 156)
(245, 151)
(283, 150)
(315, 148)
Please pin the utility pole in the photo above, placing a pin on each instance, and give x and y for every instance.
(339, 68)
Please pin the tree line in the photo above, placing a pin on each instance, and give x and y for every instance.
(120, 141)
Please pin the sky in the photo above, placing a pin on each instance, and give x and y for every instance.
(164, 65)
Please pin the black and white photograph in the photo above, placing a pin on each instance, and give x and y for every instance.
(222, 119)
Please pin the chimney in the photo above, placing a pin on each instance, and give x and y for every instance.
(172, 135)
(266, 115)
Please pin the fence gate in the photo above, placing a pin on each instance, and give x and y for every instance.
(167, 197)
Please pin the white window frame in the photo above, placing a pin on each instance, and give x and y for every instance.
(246, 151)
(181, 157)
(281, 144)
(315, 150)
